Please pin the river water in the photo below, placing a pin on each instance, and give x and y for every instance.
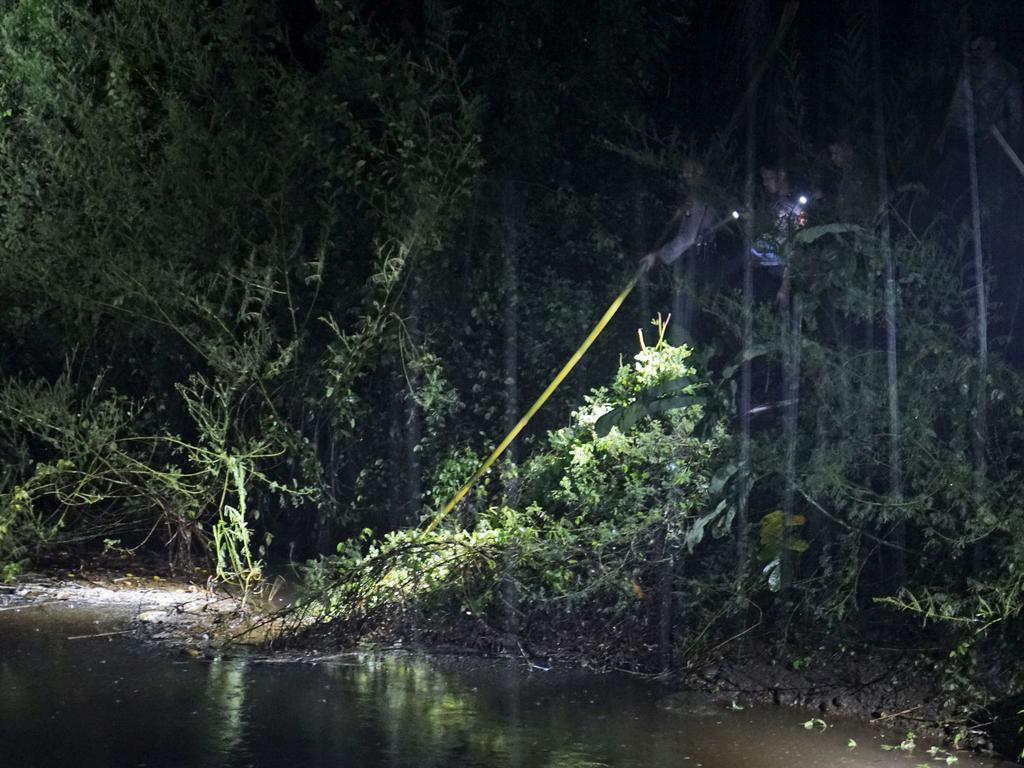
(71, 698)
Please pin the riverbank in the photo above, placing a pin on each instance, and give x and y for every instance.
(913, 687)
(115, 701)
(185, 616)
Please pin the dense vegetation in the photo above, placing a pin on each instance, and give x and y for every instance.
(276, 277)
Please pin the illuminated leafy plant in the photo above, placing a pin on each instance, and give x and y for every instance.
(600, 511)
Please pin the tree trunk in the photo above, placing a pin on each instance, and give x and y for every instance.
(792, 320)
(413, 418)
(394, 519)
(745, 473)
(510, 317)
(889, 269)
(979, 432)
(684, 273)
(510, 359)
(639, 246)
(666, 580)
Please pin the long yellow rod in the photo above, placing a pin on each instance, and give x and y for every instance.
(566, 369)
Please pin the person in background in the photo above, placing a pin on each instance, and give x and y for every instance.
(693, 221)
(995, 87)
(787, 212)
(851, 192)
(691, 226)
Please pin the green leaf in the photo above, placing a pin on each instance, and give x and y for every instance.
(696, 533)
(774, 572)
(668, 387)
(626, 417)
(723, 526)
(755, 351)
(721, 478)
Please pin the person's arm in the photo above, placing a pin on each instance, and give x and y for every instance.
(696, 218)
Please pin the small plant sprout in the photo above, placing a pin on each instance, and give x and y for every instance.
(851, 744)
(907, 745)
(815, 722)
(937, 753)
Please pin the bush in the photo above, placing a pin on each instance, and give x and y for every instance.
(579, 537)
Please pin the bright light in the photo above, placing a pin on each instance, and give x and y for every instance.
(735, 214)
(803, 199)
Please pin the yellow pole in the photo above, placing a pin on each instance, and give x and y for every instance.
(566, 369)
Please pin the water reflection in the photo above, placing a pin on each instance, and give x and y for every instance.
(107, 702)
(225, 690)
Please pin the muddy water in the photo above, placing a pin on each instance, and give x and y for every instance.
(106, 701)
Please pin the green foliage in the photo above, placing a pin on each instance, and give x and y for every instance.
(907, 745)
(841, 490)
(658, 382)
(267, 283)
(99, 474)
(194, 208)
(774, 541)
(76, 462)
(598, 512)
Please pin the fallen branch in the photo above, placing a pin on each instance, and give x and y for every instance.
(895, 714)
(100, 634)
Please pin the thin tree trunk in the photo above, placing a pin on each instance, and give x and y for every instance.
(639, 245)
(980, 425)
(666, 577)
(510, 332)
(889, 269)
(677, 327)
(394, 517)
(792, 335)
(413, 417)
(684, 275)
(324, 519)
(745, 473)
